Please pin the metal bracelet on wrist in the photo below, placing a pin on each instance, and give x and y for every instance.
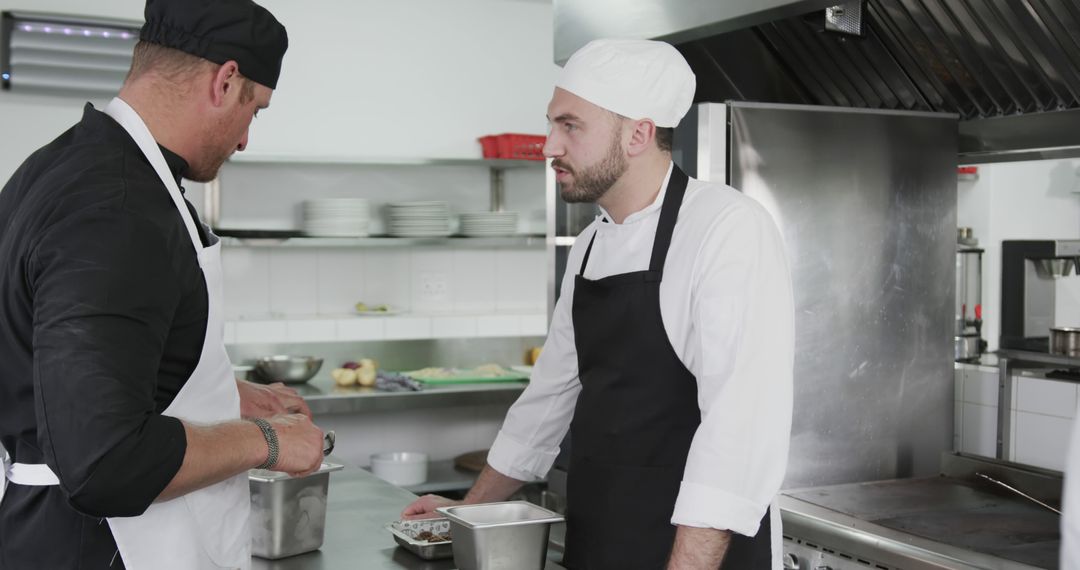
(271, 443)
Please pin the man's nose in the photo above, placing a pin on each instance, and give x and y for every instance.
(243, 142)
(552, 146)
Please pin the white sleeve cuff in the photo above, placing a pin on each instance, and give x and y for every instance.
(519, 461)
(708, 507)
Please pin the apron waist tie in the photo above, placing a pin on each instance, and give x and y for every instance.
(23, 474)
(31, 474)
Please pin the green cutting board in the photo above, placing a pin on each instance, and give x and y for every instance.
(470, 377)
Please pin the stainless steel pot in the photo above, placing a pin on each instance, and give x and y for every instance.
(966, 347)
(1065, 341)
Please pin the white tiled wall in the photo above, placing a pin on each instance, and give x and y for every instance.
(308, 295)
(1042, 415)
(287, 282)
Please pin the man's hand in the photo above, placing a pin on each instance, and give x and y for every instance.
(300, 444)
(698, 548)
(490, 486)
(260, 401)
(424, 507)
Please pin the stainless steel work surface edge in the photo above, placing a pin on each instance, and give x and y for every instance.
(324, 398)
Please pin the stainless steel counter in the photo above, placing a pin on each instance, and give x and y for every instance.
(360, 504)
(954, 521)
(323, 397)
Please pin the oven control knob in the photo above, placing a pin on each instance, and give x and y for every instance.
(791, 562)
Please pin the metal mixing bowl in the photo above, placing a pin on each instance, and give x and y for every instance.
(287, 369)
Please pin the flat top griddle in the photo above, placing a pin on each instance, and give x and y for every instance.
(964, 514)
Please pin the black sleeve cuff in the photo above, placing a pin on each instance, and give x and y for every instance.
(128, 479)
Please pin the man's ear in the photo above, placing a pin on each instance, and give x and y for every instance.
(641, 137)
(226, 79)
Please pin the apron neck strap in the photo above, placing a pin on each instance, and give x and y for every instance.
(588, 252)
(130, 120)
(669, 214)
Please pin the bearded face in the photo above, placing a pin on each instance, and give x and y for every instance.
(590, 182)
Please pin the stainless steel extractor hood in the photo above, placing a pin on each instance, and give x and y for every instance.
(1009, 68)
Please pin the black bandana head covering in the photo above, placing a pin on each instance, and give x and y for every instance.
(219, 31)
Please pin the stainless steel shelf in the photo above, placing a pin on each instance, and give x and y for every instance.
(1039, 357)
(442, 477)
(383, 161)
(325, 398)
(524, 240)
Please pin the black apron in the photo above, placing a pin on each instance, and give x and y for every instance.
(635, 418)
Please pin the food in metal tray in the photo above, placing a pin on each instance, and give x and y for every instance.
(429, 539)
(362, 307)
(482, 371)
(428, 536)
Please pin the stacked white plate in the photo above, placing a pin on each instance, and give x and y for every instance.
(484, 224)
(336, 217)
(418, 219)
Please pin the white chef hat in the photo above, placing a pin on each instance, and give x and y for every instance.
(639, 79)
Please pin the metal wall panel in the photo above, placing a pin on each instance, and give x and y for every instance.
(577, 22)
(866, 202)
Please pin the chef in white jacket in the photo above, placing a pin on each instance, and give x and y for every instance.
(669, 358)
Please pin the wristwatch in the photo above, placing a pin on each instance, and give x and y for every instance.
(271, 443)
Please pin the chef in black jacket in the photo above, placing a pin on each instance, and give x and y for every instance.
(120, 419)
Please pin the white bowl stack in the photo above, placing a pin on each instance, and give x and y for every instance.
(419, 219)
(486, 224)
(336, 217)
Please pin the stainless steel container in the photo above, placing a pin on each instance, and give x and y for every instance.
(288, 514)
(498, 536)
(967, 347)
(1065, 340)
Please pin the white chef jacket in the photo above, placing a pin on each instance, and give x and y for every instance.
(727, 308)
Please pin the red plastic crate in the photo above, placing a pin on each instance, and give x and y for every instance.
(513, 145)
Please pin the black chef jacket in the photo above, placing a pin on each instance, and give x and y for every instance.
(103, 310)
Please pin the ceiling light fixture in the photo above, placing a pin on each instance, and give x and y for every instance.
(57, 53)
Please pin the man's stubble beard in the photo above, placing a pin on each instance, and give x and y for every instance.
(206, 172)
(590, 184)
(214, 153)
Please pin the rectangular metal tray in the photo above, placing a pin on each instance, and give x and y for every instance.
(404, 531)
(467, 376)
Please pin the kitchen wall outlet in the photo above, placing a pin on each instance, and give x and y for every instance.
(434, 287)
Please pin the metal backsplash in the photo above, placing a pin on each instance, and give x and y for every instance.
(866, 202)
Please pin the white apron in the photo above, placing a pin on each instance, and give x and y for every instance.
(208, 528)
